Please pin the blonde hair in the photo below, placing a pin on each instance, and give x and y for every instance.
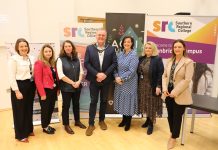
(154, 48)
(42, 58)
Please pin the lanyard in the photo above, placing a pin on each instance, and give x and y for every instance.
(30, 66)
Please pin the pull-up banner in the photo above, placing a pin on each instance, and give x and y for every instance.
(200, 36)
(119, 25)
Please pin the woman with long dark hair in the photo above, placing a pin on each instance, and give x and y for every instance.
(70, 72)
(176, 79)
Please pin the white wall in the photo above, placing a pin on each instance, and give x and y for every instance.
(39, 20)
(152, 7)
(13, 24)
(13, 20)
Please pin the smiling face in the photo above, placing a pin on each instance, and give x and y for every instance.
(23, 48)
(148, 50)
(47, 53)
(68, 48)
(101, 37)
(127, 44)
(178, 49)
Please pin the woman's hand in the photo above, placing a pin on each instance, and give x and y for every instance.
(171, 95)
(77, 84)
(166, 93)
(58, 92)
(73, 84)
(43, 98)
(19, 95)
(118, 80)
(158, 91)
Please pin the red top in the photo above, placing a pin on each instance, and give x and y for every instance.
(43, 77)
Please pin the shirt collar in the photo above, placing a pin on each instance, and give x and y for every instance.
(100, 48)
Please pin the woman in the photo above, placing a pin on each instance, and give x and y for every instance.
(202, 79)
(176, 79)
(150, 72)
(22, 90)
(125, 93)
(46, 80)
(70, 72)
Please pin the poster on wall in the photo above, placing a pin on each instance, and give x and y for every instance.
(34, 51)
(200, 36)
(119, 25)
(82, 35)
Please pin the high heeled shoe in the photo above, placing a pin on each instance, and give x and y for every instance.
(171, 143)
(24, 140)
(32, 134)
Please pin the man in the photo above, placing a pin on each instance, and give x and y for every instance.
(100, 62)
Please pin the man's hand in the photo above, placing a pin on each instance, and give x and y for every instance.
(101, 76)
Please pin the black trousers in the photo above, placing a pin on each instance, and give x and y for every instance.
(94, 93)
(67, 98)
(47, 106)
(23, 109)
(175, 113)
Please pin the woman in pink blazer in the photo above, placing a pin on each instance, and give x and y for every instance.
(176, 79)
(46, 80)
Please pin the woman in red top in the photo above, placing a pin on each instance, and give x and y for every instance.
(46, 80)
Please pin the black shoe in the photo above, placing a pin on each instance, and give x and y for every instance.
(127, 127)
(128, 123)
(145, 125)
(150, 129)
(122, 124)
(48, 130)
(52, 128)
(79, 124)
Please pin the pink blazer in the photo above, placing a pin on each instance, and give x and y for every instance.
(43, 77)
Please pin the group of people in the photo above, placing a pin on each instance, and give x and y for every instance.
(141, 84)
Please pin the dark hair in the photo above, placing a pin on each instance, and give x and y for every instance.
(200, 70)
(127, 37)
(63, 53)
(183, 43)
(18, 42)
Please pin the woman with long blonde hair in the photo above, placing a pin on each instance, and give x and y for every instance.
(46, 80)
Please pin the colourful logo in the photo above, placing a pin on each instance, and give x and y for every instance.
(73, 32)
(163, 26)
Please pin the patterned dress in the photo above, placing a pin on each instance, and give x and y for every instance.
(125, 95)
(148, 104)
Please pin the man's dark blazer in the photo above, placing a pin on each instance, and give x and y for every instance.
(92, 63)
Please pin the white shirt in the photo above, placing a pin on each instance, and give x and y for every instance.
(19, 69)
(100, 55)
(60, 68)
